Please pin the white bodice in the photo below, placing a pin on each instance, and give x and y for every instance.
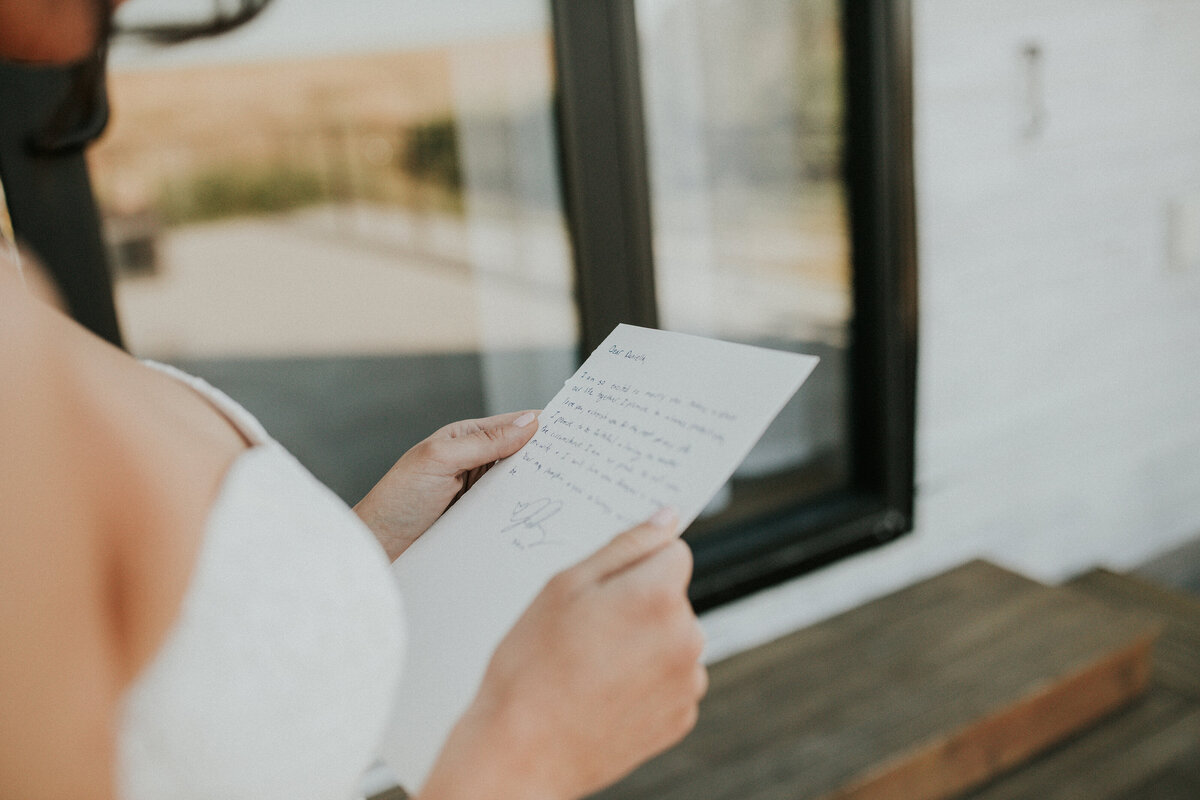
(276, 679)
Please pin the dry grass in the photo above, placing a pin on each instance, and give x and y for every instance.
(171, 123)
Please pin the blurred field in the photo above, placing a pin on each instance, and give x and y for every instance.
(320, 206)
(345, 122)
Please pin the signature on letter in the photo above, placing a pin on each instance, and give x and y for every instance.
(527, 520)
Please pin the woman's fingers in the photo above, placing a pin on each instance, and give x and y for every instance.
(469, 444)
(435, 472)
(670, 564)
(630, 547)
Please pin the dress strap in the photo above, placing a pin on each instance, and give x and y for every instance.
(238, 416)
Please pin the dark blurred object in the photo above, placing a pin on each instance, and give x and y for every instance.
(221, 21)
(50, 115)
(50, 195)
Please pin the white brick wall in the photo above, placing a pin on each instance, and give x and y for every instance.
(1059, 383)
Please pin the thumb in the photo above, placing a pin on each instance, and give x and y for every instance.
(631, 546)
(467, 445)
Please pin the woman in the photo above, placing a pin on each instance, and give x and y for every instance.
(185, 613)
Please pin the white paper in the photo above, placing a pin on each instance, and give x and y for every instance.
(651, 419)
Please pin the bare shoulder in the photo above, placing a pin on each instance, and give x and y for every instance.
(60, 668)
(105, 480)
(116, 451)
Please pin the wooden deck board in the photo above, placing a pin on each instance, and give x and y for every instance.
(1133, 750)
(1177, 780)
(916, 695)
(776, 710)
(1177, 653)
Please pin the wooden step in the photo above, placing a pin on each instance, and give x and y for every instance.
(1177, 657)
(1151, 749)
(921, 694)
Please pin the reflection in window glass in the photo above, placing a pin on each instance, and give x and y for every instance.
(743, 103)
(360, 242)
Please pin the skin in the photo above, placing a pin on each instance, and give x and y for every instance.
(433, 474)
(107, 472)
(47, 31)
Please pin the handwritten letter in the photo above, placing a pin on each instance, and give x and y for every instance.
(650, 419)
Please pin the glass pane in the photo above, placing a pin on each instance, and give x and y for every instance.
(743, 103)
(346, 216)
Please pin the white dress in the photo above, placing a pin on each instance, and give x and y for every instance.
(276, 679)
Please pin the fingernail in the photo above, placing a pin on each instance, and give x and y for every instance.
(665, 517)
(524, 419)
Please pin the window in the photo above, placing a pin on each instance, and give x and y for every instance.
(743, 170)
(350, 222)
(364, 228)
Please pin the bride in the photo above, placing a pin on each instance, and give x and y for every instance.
(186, 613)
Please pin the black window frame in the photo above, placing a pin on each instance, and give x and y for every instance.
(606, 195)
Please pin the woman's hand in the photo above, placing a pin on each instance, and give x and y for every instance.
(600, 673)
(435, 472)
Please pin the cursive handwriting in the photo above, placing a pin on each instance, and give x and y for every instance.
(528, 518)
(620, 447)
